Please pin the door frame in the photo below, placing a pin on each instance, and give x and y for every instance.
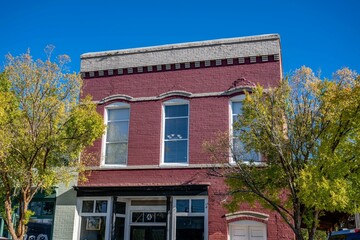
(130, 209)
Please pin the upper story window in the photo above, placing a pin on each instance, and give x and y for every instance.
(238, 147)
(175, 131)
(117, 133)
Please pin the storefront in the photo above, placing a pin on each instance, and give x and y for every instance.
(146, 213)
(41, 223)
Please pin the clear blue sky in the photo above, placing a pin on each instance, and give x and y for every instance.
(324, 34)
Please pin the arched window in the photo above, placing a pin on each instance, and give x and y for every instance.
(238, 151)
(175, 140)
(115, 142)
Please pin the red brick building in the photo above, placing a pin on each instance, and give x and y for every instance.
(150, 180)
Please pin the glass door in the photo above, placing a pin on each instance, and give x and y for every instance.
(148, 233)
(120, 219)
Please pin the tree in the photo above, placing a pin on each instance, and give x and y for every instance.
(307, 131)
(43, 129)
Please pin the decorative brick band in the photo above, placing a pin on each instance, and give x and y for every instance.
(181, 66)
(176, 93)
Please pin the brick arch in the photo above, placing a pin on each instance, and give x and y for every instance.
(247, 215)
(116, 97)
(175, 93)
(250, 218)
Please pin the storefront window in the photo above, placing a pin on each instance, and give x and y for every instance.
(93, 228)
(93, 219)
(41, 223)
(190, 228)
(190, 219)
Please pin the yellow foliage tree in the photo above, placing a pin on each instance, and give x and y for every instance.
(308, 133)
(43, 129)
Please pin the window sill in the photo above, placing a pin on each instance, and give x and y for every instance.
(113, 166)
(258, 163)
(161, 166)
(174, 164)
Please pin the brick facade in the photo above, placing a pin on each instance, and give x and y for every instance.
(187, 71)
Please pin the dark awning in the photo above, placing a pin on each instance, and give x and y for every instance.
(178, 190)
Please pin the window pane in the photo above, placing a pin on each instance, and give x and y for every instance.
(149, 217)
(117, 131)
(158, 233)
(101, 207)
(175, 151)
(237, 133)
(197, 206)
(116, 153)
(176, 128)
(87, 207)
(138, 233)
(36, 207)
(182, 206)
(160, 217)
(189, 228)
(118, 114)
(137, 217)
(119, 228)
(120, 207)
(236, 108)
(241, 154)
(48, 208)
(92, 228)
(235, 118)
(176, 110)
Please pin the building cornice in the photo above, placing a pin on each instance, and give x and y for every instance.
(201, 54)
(180, 66)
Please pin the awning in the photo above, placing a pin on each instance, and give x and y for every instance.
(177, 190)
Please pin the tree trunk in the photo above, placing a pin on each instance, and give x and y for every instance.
(312, 229)
(297, 220)
(16, 232)
(298, 235)
(21, 228)
(8, 219)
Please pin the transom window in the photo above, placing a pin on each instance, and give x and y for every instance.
(148, 217)
(117, 132)
(176, 130)
(190, 206)
(91, 206)
(238, 148)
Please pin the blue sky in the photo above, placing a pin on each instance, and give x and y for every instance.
(324, 34)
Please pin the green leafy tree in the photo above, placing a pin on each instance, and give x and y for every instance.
(307, 131)
(43, 130)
